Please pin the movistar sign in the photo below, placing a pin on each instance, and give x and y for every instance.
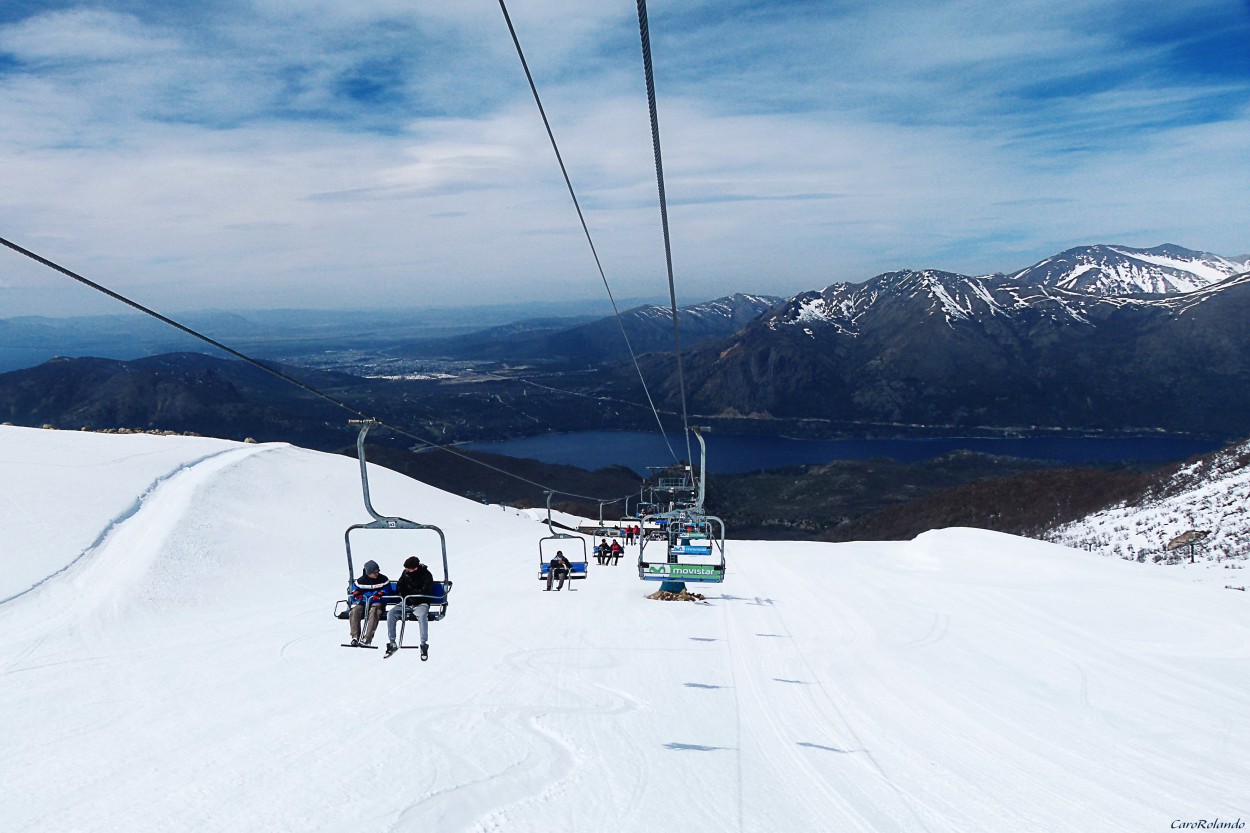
(685, 570)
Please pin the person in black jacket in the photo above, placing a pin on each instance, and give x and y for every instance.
(366, 596)
(415, 581)
(558, 568)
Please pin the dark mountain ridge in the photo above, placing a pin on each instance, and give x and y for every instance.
(649, 329)
(1010, 352)
(178, 391)
(1031, 352)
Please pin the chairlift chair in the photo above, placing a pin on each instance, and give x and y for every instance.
(694, 549)
(605, 531)
(630, 521)
(437, 598)
(694, 541)
(578, 569)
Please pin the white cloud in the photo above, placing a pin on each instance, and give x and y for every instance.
(235, 171)
(78, 36)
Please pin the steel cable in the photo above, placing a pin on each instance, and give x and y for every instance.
(284, 376)
(586, 229)
(645, 35)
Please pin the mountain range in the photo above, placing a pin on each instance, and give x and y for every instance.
(1101, 338)
(649, 329)
(183, 392)
(1073, 343)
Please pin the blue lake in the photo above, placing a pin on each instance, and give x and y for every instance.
(734, 454)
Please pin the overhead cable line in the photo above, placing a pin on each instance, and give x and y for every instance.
(586, 229)
(284, 376)
(645, 35)
(605, 399)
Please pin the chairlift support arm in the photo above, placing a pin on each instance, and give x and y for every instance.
(382, 521)
(698, 503)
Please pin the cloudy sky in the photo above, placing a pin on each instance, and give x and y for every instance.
(363, 153)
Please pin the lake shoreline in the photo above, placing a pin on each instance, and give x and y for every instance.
(740, 453)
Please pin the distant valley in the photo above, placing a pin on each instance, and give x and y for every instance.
(1100, 340)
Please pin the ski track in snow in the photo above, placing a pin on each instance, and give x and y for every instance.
(115, 537)
(126, 514)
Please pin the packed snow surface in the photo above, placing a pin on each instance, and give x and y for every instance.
(170, 662)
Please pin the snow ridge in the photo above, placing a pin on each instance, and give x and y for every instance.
(131, 511)
(1121, 270)
(1065, 288)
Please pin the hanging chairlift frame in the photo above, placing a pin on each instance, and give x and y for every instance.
(437, 598)
(687, 534)
(632, 520)
(577, 569)
(688, 531)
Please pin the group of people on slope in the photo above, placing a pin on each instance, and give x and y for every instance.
(368, 597)
(631, 534)
(607, 553)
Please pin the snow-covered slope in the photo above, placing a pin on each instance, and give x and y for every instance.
(1063, 288)
(1121, 270)
(179, 669)
(1210, 495)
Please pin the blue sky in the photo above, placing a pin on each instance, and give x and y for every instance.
(268, 153)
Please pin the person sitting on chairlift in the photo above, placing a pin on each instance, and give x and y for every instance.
(559, 567)
(615, 551)
(366, 596)
(416, 580)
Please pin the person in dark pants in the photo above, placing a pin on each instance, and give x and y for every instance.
(416, 580)
(615, 551)
(558, 568)
(366, 597)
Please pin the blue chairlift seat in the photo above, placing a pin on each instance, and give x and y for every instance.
(577, 570)
(437, 600)
(560, 541)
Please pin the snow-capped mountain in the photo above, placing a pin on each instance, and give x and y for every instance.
(649, 327)
(1121, 270)
(652, 325)
(1026, 351)
(1209, 495)
(1068, 287)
